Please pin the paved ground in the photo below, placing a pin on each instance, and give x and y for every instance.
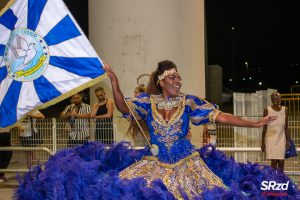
(6, 193)
(7, 188)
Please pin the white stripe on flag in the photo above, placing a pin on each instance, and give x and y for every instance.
(4, 88)
(20, 11)
(48, 20)
(63, 80)
(4, 32)
(73, 48)
(28, 99)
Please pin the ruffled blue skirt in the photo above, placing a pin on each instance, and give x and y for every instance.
(91, 171)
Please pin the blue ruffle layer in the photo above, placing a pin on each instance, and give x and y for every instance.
(91, 171)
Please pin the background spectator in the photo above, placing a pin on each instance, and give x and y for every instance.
(30, 136)
(275, 136)
(103, 113)
(77, 114)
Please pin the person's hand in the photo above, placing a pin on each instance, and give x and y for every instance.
(265, 120)
(263, 147)
(21, 127)
(110, 72)
(73, 114)
(67, 114)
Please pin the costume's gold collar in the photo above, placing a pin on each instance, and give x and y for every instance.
(157, 99)
(167, 103)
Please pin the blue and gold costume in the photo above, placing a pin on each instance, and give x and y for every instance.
(179, 171)
(178, 163)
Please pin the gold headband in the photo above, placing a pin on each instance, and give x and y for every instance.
(166, 73)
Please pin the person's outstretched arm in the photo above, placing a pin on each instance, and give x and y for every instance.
(117, 93)
(226, 118)
(263, 136)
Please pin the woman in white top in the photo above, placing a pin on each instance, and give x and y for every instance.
(275, 136)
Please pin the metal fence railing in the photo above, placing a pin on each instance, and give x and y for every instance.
(51, 135)
(25, 150)
(250, 139)
(292, 102)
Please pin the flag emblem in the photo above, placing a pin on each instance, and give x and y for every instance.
(26, 55)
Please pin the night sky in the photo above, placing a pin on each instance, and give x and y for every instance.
(266, 35)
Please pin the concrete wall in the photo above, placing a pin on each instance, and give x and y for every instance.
(134, 35)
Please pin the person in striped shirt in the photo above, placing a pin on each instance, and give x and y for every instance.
(77, 114)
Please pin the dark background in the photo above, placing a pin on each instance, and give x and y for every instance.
(266, 36)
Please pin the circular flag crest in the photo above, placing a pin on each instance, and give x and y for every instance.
(26, 55)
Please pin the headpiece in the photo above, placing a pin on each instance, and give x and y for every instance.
(166, 73)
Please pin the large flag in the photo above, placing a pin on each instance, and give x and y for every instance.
(44, 57)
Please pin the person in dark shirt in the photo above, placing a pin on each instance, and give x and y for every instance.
(103, 113)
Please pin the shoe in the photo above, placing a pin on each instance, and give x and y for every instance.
(3, 179)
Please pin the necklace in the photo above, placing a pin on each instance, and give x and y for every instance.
(168, 104)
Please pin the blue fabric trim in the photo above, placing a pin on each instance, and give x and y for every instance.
(2, 49)
(3, 73)
(64, 30)
(86, 67)
(45, 90)
(35, 9)
(8, 108)
(8, 19)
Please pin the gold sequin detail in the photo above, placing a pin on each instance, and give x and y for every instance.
(155, 99)
(212, 116)
(190, 173)
(161, 130)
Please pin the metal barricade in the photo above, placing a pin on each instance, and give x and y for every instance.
(14, 168)
(51, 135)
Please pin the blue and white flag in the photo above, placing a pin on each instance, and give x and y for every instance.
(44, 57)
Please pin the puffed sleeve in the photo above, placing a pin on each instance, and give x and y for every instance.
(140, 106)
(201, 111)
